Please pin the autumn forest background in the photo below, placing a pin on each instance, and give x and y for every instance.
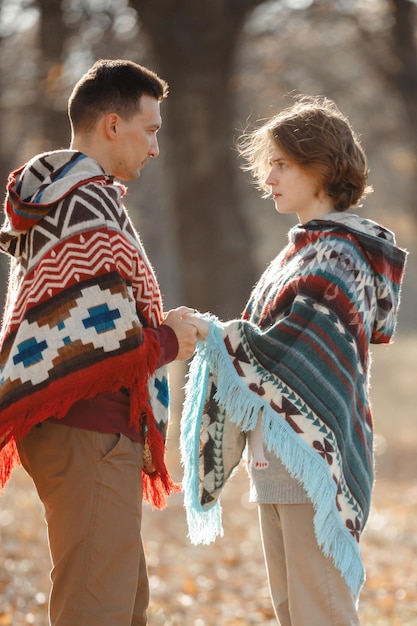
(229, 63)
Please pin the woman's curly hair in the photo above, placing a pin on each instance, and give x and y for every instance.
(318, 137)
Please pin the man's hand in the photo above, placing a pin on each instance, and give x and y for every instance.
(200, 322)
(186, 332)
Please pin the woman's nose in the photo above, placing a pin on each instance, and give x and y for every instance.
(270, 180)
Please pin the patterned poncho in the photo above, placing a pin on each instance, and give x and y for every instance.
(298, 361)
(80, 296)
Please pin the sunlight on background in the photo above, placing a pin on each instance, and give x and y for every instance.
(16, 16)
(282, 51)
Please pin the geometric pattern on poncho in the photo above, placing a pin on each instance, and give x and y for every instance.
(349, 328)
(309, 427)
(81, 289)
(299, 359)
(90, 240)
(221, 447)
(96, 309)
(87, 229)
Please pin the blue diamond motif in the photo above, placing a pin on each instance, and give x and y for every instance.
(30, 352)
(101, 318)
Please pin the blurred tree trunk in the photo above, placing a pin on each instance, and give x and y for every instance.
(52, 123)
(53, 34)
(403, 75)
(194, 46)
(394, 56)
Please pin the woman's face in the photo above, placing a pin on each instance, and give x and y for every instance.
(294, 188)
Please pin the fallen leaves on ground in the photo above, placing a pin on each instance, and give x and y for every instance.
(223, 584)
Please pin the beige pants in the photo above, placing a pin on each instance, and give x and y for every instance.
(91, 487)
(306, 588)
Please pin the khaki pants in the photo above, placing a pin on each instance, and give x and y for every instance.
(91, 487)
(306, 588)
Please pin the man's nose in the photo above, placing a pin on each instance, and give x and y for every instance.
(154, 149)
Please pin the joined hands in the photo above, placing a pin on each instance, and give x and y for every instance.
(189, 327)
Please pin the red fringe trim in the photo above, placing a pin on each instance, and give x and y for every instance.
(132, 371)
(9, 459)
(155, 487)
(158, 484)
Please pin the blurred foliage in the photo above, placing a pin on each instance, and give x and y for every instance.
(228, 65)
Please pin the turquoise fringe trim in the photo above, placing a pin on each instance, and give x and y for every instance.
(204, 523)
(243, 406)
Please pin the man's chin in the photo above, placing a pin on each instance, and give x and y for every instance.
(129, 177)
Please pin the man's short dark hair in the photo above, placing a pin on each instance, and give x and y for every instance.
(112, 86)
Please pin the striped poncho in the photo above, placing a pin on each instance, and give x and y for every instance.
(298, 361)
(81, 295)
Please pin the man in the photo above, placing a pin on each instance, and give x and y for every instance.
(84, 348)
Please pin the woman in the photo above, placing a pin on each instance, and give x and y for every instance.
(290, 378)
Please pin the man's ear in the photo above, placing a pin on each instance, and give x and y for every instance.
(111, 125)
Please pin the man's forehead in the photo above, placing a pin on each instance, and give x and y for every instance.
(150, 110)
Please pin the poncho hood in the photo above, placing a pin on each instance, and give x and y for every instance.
(386, 259)
(36, 188)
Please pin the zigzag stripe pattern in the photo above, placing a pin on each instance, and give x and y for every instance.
(87, 208)
(66, 253)
(70, 263)
(144, 283)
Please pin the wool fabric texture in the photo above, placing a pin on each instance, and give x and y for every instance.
(297, 364)
(80, 298)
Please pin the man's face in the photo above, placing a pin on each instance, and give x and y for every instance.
(136, 141)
